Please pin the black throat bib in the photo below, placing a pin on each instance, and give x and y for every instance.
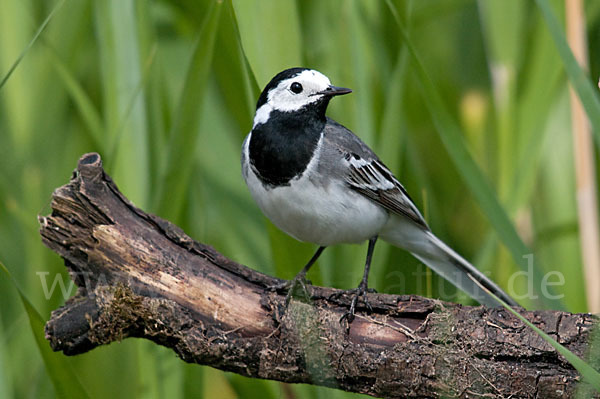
(281, 148)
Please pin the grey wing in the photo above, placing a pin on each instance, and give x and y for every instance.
(365, 173)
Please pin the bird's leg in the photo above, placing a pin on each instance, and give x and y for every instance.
(362, 287)
(300, 278)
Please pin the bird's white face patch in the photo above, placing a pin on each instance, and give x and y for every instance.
(284, 98)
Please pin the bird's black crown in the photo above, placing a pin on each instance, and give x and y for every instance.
(283, 75)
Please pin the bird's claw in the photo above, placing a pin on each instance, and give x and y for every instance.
(338, 294)
(290, 287)
(358, 292)
(279, 287)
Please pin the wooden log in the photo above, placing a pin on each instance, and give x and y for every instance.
(141, 276)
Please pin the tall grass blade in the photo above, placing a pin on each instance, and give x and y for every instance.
(251, 388)
(186, 128)
(123, 106)
(585, 164)
(30, 44)
(269, 53)
(4, 269)
(84, 104)
(502, 27)
(585, 89)
(65, 381)
(236, 81)
(129, 105)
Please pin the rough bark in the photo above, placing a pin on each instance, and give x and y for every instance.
(141, 276)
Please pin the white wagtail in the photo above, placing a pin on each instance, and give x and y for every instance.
(319, 183)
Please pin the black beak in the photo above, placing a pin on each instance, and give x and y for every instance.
(334, 91)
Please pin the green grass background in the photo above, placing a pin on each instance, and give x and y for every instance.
(467, 101)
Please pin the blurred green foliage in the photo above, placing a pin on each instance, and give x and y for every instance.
(478, 131)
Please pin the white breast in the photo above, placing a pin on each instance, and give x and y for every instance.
(316, 210)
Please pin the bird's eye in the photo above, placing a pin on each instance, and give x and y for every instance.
(296, 87)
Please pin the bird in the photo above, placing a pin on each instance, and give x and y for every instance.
(320, 183)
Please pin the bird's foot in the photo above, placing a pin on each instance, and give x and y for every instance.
(291, 286)
(362, 290)
(340, 293)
